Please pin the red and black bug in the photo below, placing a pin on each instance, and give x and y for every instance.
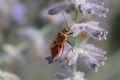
(58, 44)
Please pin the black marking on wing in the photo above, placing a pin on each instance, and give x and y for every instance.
(54, 51)
(60, 46)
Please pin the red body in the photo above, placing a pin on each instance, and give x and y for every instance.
(58, 44)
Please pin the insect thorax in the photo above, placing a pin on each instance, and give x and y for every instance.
(61, 37)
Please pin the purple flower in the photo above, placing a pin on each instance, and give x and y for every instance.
(91, 28)
(76, 29)
(95, 31)
(57, 18)
(67, 73)
(92, 8)
(56, 8)
(72, 56)
(90, 54)
(93, 56)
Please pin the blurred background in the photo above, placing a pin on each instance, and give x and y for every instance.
(26, 31)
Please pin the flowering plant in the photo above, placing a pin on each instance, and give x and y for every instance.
(90, 54)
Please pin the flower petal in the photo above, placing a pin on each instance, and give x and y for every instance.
(92, 8)
(58, 7)
(92, 56)
(72, 57)
(76, 29)
(67, 73)
(91, 28)
(95, 31)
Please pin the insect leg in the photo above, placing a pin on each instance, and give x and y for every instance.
(69, 42)
(70, 33)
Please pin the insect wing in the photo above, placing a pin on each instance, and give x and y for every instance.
(62, 55)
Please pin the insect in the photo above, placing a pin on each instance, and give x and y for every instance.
(58, 44)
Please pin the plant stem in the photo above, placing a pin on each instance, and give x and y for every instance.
(74, 66)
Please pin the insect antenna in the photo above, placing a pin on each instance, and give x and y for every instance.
(65, 20)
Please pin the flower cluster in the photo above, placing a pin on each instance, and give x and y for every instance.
(91, 28)
(66, 74)
(90, 54)
(92, 8)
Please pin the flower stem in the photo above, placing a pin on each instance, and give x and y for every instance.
(74, 66)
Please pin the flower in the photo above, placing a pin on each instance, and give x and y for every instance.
(18, 13)
(57, 18)
(91, 28)
(95, 31)
(67, 73)
(8, 76)
(90, 54)
(76, 29)
(58, 7)
(73, 54)
(93, 56)
(54, 13)
(92, 8)
(78, 76)
(72, 57)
